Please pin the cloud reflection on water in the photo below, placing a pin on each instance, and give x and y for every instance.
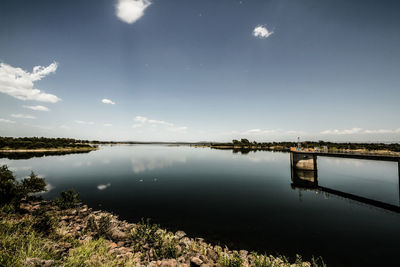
(149, 162)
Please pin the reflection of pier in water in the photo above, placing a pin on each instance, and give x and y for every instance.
(304, 175)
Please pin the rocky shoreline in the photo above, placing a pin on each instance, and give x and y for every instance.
(141, 244)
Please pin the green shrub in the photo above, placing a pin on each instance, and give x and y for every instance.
(12, 191)
(101, 229)
(33, 184)
(148, 237)
(104, 226)
(44, 222)
(260, 260)
(230, 260)
(316, 262)
(68, 199)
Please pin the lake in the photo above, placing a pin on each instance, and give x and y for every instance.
(244, 201)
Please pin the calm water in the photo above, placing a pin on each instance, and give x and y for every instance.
(244, 201)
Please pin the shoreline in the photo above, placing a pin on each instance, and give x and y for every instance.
(116, 242)
(66, 149)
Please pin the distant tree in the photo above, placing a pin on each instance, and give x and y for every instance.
(235, 142)
(244, 141)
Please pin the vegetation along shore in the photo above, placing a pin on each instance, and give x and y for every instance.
(64, 232)
(43, 144)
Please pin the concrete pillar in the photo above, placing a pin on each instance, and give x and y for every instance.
(304, 161)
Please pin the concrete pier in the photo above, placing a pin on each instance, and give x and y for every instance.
(304, 175)
(303, 161)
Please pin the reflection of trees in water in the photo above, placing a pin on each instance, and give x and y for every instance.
(28, 155)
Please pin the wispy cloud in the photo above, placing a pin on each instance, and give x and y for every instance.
(257, 132)
(130, 11)
(6, 121)
(108, 101)
(37, 108)
(141, 121)
(107, 124)
(19, 83)
(23, 116)
(42, 127)
(85, 122)
(261, 32)
(360, 131)
(345, 131)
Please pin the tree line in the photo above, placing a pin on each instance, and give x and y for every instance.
(395, 147)
(41, 142)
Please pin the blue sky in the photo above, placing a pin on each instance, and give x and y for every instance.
(200, 70)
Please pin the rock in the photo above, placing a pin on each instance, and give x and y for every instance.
(38, 262)
(212, 254)
(180, 234)
(203, 258)
(185, 241)
(168, 263)
(116, 234)
(196, 261)
(205, 265)
(113, 245)
(218, 248)
(243, 253)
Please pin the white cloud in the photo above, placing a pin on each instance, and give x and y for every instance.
(261, 32)
(108, 101)
(379, 131)
(42, 127)
(137, 125)
(181, 129)
(345, 131)
(360, 131)
(130, 11)
(258, 132)
(141, 121)
(19, 83)
(85, 122)
(6, 121)
(107, 124)
(37, 108)
(23, 116)
(155, 122)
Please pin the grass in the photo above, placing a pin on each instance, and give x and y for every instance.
(229, 260)
(19, 240)
(95, 253)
